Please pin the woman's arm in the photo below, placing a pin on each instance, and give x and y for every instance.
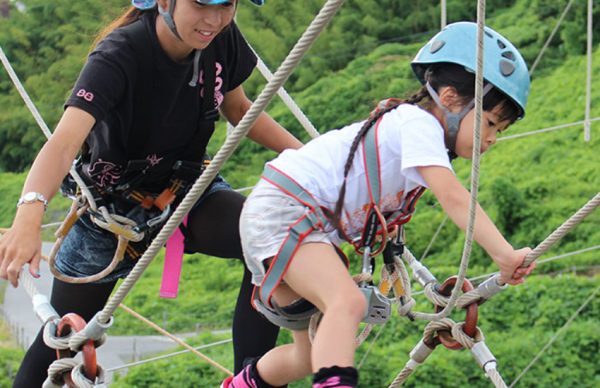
(265, 131)
(22, 243)
(455, 199)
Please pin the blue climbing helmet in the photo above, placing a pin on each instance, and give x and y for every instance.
(503, 65)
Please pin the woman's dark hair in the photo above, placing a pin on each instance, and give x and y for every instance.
(438, 75)
(130, 15)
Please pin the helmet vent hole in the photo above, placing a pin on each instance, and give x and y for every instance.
(489, 34)
(509, 55)
(436, 46)
(506, 68)
(501, 44)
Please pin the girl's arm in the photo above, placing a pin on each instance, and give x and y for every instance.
(22, 243)
(265, 131)
(455, 199)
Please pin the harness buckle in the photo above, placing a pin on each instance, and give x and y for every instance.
(378, 306)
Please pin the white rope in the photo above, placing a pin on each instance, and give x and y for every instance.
(309, 36)
(556, 335)
(288, 101)
(164, 356)
(558, 23)
(464, 262)
(40, 121)
(588, 84)
(562, 230)
(435, 235)
(549, 129)
(494, 375)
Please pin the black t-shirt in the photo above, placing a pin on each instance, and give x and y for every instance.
(144, 93)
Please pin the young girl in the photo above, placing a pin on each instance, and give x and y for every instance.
(310, 200)
(144, 108)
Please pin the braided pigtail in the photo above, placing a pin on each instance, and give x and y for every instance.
(382, 108)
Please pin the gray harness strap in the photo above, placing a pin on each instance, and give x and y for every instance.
(297, 316)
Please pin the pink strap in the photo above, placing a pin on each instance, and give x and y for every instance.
(173, 263)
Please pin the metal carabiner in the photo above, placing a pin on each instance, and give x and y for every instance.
(154, 221)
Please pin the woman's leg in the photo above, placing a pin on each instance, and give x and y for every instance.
(214, 230)
(83, 299)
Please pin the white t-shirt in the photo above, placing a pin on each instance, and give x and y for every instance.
(408, 137)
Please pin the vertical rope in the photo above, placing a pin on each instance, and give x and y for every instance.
(443, 14)
(232, 141)
(588, 85)
(464, 261)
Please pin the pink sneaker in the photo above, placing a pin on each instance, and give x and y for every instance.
(241, 380)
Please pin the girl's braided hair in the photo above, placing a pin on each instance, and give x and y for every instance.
(438, 75)
(416, 98)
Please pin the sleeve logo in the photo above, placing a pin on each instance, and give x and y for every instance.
(88, 96)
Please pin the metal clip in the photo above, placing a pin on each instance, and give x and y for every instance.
(154, 221)
(421, 273)
(378, 306)
(491, 287)
(483, 356)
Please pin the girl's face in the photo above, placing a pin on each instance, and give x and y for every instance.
(491, 125)
(198, 24)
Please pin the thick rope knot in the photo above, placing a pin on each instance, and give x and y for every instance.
(468, 342)
(50, 338)
(57, 372)
(78, 339)
(81, 381)
(433, 327)
(434, 296)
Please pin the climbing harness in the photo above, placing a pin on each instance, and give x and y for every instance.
(316, 218)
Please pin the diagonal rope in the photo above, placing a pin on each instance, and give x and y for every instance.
(165, 356)
(41, 123)
(287, 99)
(435, 235)
(558, 23)
(176, 339)
(293, 58)
(556, 335)
(562, 230)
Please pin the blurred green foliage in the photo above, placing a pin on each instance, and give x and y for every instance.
(529, 186)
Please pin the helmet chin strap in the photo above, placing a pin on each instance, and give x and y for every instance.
(453, 119)
(168, 17)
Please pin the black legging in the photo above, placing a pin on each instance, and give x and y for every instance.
(213, 228)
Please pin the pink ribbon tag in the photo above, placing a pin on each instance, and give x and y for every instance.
(173, 263)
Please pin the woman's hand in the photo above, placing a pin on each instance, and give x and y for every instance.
(511, 271)
(20, 245)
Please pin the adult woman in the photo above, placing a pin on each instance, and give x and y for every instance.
(145, 102)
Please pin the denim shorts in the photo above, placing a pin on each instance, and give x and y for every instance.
(88, 249)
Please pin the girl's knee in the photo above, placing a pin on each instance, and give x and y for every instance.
(352, 305)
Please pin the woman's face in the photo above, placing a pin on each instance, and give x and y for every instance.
(198, 24)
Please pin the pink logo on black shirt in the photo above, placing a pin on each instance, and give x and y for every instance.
(218, 84)
(88, 96)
